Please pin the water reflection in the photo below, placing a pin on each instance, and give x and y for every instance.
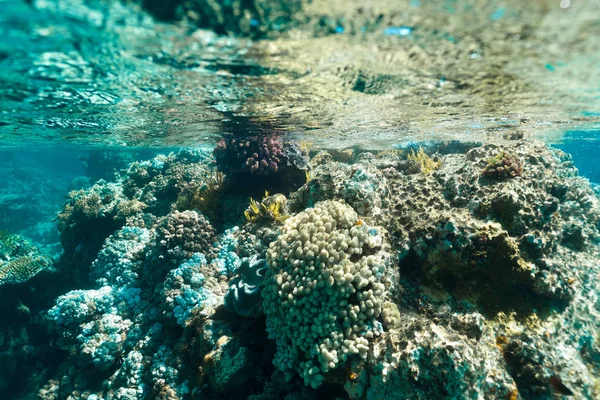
(338, 73)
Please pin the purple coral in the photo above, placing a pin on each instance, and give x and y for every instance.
(257, 155)
(503, 166)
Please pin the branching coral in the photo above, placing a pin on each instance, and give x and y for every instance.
(425, 162)
(261, 155)
(503, 166)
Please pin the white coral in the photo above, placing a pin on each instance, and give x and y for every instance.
(325, 288)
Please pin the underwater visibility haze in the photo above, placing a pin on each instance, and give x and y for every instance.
(299, 199)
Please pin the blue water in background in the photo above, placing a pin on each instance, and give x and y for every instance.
(584, 147)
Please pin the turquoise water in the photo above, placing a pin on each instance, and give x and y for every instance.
(299, 199)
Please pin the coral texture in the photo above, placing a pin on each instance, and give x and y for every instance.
(20, 260)
(324, 289)
(383, 280)
(258, 155)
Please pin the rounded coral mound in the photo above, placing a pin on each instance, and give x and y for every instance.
(324, 289)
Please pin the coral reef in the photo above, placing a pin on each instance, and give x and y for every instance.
(91, 215)
(262, 155)
(384, 280)
(28, 284)
(426, 164)
(131, 315)
(502, 166)
(267, 162)
(203, 195)
(178, 236)
(473, 247)
(361, 185)
(270, 209)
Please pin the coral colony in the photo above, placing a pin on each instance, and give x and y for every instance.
(450, 273)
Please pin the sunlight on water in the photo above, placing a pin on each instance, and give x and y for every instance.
(103, 72)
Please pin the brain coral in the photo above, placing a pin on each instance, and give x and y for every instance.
(324, 289)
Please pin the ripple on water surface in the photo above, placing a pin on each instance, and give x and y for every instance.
(336, 73)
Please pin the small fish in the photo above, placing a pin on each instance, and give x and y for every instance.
(559, 386)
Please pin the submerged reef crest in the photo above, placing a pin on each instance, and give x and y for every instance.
(375, 278)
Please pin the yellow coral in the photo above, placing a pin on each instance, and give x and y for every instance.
(204, 198)
(305, 146)
(270, 208)
(426, 163)
(253, 214)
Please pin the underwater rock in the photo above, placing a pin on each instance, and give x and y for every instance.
(422, 359)
(455, 223)
(361, 185)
